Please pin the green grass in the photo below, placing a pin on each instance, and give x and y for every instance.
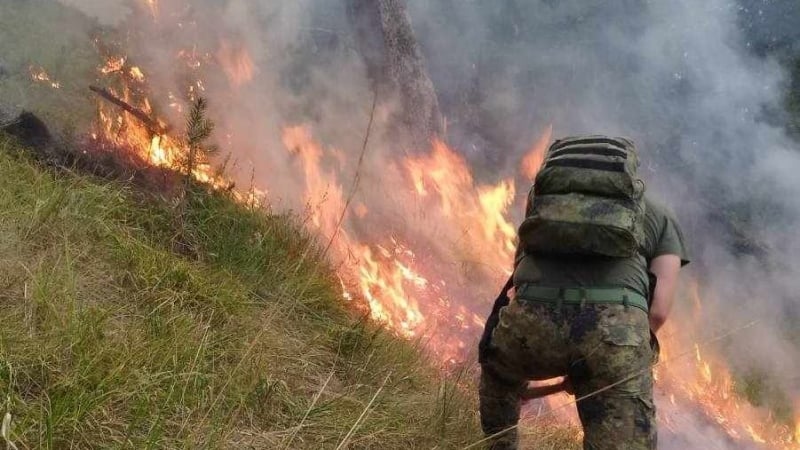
(110, 339)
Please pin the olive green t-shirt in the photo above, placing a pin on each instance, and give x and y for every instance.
(662, 237)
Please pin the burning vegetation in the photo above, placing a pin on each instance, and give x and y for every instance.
(425, 272)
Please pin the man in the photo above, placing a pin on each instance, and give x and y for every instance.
(586, 317)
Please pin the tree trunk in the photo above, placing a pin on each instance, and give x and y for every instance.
(395, 64)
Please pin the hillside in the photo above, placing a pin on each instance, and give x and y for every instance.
(111, 340)
(132, 318)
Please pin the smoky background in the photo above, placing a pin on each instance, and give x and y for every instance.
(692, 83)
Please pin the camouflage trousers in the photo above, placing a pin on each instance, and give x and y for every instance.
(595, 346)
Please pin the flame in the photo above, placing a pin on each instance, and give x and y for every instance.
(323, 194)
(705, 384)
(533, 160)
(422, 276)
(236, 63)
(159, 150)
(137, 74)
(113, 65)
(494, 203)
(797, 429)
(446, 175)
(444, 171)
(384, 287)
(39, 74)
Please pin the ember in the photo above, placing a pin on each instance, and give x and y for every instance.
(39, 74)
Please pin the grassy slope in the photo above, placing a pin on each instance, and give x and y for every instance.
(110, 339)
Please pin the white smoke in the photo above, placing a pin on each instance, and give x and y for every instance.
(675, 76)
(109, 12)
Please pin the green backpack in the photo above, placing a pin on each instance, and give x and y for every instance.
(587, 200)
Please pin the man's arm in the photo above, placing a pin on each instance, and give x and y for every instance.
(666, 269)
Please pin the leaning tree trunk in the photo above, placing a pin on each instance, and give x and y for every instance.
(395, 64)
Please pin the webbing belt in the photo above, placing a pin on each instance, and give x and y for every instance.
(611, 295)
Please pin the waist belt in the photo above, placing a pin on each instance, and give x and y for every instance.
(594, 295)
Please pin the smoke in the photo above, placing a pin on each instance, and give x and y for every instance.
(678, 77)
(108, 12)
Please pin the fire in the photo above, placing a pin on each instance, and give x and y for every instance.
(384, 286)
(39, 74)
(154, 147)
(444, 171)
(323, 194)
(431, 269)
(113, 65)
(494, 202)
(797, 429)
(445, 175)
(236, 63)
(137, 74)
(705, 383)
(533, 160)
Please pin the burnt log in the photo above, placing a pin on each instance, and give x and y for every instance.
(152, 124)
(386, 41)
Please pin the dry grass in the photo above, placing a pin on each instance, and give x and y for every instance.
(111, 340)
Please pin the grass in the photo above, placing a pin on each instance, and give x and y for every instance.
(110, 339)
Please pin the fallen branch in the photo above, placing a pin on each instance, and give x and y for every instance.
(152, 124)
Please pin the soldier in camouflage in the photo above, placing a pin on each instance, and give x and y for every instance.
(596, 331)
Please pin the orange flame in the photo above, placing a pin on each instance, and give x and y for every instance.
(136, 73)
(39, 74)
(533, 160)
(113, 65)
(411, 294)
(447, 175)
(797, 430)
(236, 63)
(706, 383)
(494, 203)
(159, 150)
